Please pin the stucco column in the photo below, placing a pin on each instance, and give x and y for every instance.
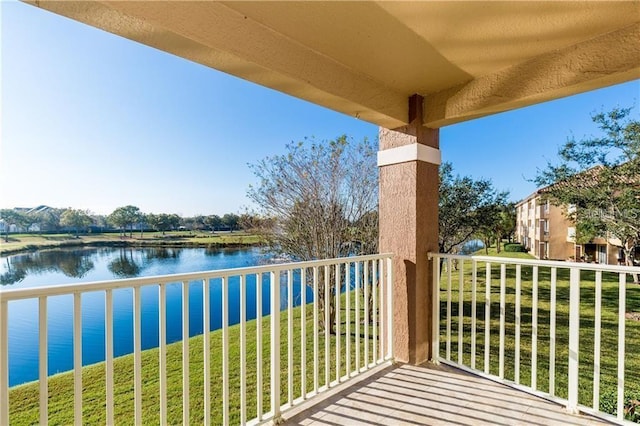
(408, 208)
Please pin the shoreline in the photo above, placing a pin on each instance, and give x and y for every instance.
(239, 240)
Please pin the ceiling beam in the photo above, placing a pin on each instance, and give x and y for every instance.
(216, 35)
(609, 59)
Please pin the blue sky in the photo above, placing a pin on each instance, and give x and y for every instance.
(94, 121)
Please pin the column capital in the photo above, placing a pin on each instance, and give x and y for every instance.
(414, 131)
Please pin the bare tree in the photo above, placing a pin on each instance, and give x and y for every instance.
(319, 200)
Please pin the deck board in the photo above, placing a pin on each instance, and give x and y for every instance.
(435, 395)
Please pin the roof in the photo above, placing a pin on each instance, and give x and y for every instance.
(365, 59)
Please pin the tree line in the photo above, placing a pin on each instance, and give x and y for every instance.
(125, 218)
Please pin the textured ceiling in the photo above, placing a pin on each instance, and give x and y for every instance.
(467, 59)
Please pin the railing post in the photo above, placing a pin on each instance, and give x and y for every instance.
(503, 292)
(390, 307)
(43, 361)
(77, 358)
(4, 362)
(435, 311)
(275, 346)
(162, 352)
(622, 282)
(574, 338)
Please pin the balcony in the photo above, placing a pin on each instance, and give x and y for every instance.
(553, 346)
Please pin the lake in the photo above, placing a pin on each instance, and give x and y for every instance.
(64, 266)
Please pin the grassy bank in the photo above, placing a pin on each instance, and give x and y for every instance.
(28, 242)
(24, 398)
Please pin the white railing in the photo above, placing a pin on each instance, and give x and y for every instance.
(553, 334)
(312, 358)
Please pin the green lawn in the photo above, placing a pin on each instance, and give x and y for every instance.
(492, 251)
(24, 399)
(609, 332)
(25, 242)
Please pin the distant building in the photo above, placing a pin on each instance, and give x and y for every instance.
(34, 227)
(547, 233)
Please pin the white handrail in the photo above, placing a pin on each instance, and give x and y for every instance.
(58, 290)
(351, 277)
(535, 262)
(525, 284)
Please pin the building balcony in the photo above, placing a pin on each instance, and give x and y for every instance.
(553, 350)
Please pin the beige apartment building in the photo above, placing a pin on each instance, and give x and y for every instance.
(546, 232)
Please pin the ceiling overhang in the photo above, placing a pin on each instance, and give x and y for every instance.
(365, 59)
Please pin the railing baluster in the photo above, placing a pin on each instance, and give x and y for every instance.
(162, 336)
(137, 355)
(449, 313)
(316, 301)
(357, 296)
(503, 291)
(552, 333)
(4, 361)
(185, 352)
(290, 336)
(574, 338)
(303, 333)
(337, 289)
(622, 283)
(390, 308)
(597, 320)
(487, 317)
(367, 319)
(516, 373)
(206, 349)
(460, 310)
(77, 358)
(259, 373)
(375, 311)
(474, 288)
(275, 345)
(225, 350)
(243, 349)
(43, 360)
(435, 318)
(347, 308)
(108, 332)
(534, 330)
(381, 320)
(327, 327)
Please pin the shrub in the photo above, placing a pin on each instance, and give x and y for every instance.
(514, 248)
(609, 402)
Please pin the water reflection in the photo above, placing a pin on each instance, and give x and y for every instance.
(162, 253)
(44, 269)
(72, 263)
(125, 266)
(12, 275)
(77, 263)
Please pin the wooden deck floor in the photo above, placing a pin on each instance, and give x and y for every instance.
(430, 395)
